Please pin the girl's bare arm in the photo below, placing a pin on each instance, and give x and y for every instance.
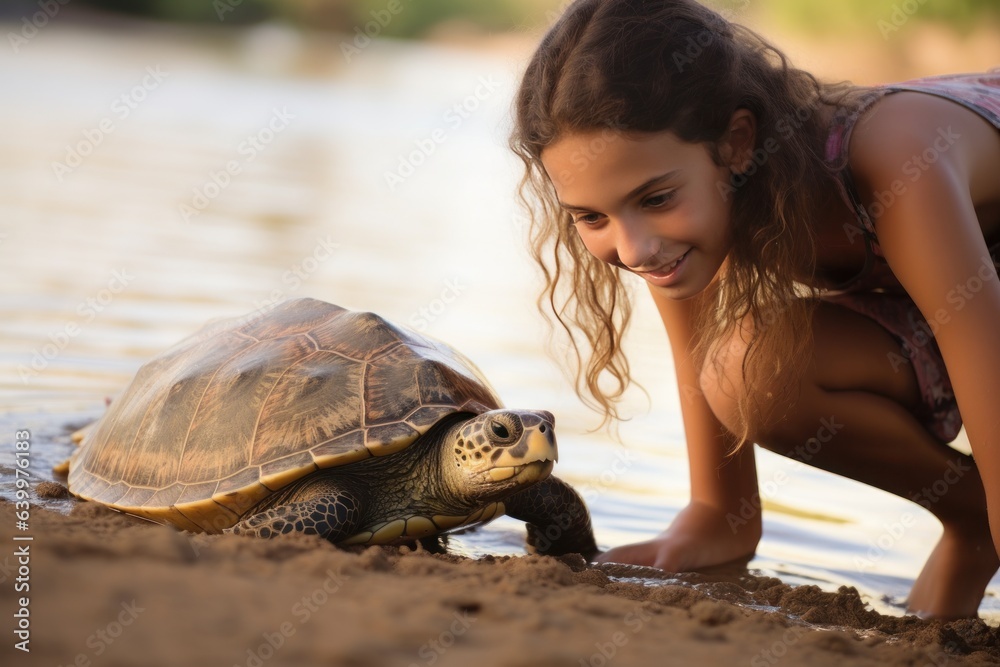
(722, 522)
(940, 162)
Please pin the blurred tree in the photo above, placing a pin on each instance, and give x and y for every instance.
(414, 18)
(236, 11)
(884, 16)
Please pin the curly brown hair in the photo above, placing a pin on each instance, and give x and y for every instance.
(645, 66)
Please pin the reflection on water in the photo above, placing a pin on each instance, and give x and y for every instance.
(237, 180)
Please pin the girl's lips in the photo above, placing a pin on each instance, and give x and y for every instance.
(667, 275)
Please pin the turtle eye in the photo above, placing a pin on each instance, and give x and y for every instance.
(499, 430)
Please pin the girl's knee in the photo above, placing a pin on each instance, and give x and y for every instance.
(721, 380)
(722, 383)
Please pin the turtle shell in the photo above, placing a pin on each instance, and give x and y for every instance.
(247, 406)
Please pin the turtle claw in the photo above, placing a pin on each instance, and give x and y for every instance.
(61, 469)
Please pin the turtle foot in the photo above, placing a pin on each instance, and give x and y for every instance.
(331, 517)
(557, 519)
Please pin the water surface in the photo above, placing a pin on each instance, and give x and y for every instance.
(244, 168)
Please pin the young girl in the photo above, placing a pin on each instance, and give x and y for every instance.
(819, 254)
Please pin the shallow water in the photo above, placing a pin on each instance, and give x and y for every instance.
(105, 267)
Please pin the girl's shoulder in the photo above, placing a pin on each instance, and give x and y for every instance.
(978, 91)
(873, 108)
(887, 137)
(916, 124)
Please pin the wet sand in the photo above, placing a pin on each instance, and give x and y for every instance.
(107, 589)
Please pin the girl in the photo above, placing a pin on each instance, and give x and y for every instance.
(819, 255)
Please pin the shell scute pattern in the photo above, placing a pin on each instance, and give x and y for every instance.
(295, 316)
(390, 388)
(246, 406)
(197, 492)
(232, 408)
(244, 478)
(280, 472)
(136, 496)
(371, 336)
(441, 380)
(341, 450)
(166, 497)
(390, 438)
(158, 411)
(319, 400)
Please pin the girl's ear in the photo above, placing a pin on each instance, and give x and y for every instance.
(736, 146)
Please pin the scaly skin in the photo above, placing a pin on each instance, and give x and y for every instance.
(556, 517)
(322, 509)
(447, 472)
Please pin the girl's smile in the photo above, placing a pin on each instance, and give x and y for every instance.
(666, 275)
(648, 203)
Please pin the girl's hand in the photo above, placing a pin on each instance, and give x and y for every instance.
(701, 536)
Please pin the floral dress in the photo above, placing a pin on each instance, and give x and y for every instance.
(875, 292)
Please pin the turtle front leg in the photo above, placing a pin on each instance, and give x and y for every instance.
(333, 515)
(557, 519)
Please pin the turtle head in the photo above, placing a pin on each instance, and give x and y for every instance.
(502, 450)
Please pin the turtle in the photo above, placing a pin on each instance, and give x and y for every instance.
(317, 419)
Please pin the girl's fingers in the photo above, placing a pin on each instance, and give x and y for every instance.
(640, 553)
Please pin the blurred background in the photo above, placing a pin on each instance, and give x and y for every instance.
(165, 162)
(864, 40)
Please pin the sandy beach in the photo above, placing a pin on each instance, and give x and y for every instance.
(143, 594)
(314, 212)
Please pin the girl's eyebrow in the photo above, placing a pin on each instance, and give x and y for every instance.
(656, 180)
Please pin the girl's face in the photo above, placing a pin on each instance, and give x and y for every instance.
(651, 204)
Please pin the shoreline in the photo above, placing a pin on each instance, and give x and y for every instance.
(109, 588)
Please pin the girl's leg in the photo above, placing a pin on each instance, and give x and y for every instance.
(853, 389)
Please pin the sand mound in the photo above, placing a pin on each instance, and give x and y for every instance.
(112, 590)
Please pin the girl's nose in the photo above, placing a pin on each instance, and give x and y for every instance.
(636, 243)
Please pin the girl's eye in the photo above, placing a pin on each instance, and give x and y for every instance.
(656, 201)
(587, 219)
